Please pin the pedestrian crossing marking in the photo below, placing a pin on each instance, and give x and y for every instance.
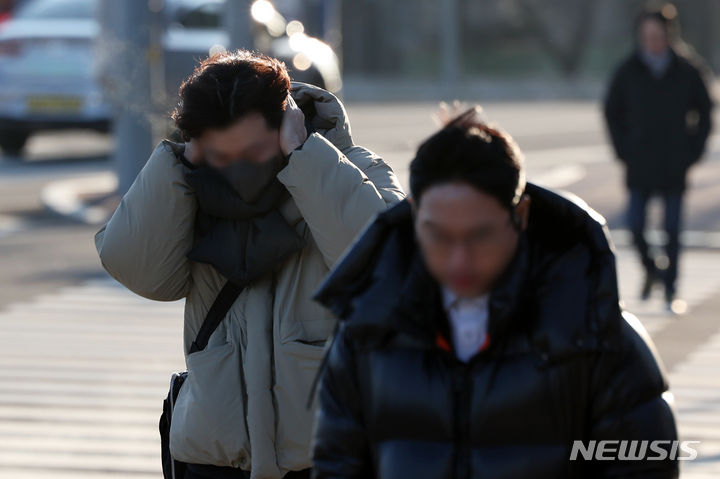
(83, 373)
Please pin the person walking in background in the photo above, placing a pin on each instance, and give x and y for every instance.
(481, 333)
(658, 114)
(265, 193)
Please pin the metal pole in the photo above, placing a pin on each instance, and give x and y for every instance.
(125, 73)
(156, 58)
(238, 24)
(332, 26)
(450, 42)
(714, 51)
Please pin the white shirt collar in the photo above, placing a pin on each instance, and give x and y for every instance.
(452, 300)
(468, 318)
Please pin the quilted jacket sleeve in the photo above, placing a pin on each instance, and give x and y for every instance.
(143, 245)
(338, 192)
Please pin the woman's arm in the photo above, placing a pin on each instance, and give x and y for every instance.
(144, 244)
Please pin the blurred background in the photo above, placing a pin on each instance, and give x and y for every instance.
(86, 87)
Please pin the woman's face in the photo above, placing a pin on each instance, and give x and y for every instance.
(248, 139)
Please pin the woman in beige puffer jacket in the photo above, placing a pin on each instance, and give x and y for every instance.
(244, 402)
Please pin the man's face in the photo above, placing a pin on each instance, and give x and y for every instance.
(466, 236)
(653, 37)
(248, 139)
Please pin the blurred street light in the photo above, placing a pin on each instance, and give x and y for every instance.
(264, 12)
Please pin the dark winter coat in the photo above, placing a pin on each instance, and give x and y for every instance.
(658, 126)
(564, 362)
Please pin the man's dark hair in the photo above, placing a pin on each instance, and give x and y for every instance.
(229, 85)
(470, 151)
(665, 15)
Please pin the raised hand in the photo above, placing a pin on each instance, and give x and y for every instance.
(292, 130)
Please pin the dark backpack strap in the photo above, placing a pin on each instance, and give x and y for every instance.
(224, 300)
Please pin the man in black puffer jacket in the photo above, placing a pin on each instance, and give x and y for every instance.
(481, 334)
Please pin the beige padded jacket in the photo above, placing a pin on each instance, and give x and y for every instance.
(244, 402)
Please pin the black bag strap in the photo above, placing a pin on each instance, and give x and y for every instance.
(224, 300)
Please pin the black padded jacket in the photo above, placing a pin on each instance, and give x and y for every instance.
(648, 121)
(564, 362)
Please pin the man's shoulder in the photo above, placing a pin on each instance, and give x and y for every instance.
(573, 313)
(692, 65)
(573, 274)
(628, 64)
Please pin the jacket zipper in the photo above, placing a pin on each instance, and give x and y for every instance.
(462, 382)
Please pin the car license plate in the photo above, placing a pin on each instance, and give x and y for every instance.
(54, 104)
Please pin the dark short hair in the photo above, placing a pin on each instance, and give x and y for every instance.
(228, 85)
(665, 15)
(468, 150)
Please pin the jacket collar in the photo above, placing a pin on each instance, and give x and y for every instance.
(381, 284)
(640, 63)
(420, 300)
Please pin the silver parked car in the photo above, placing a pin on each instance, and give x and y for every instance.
(46, 71)
(49, 75)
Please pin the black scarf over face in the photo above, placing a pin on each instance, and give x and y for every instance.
(239, 229)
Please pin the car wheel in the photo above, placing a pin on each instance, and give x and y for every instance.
(12, 142)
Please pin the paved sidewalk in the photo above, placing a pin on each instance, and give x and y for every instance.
(699, 281)
(82, 376)
(695, 384)
(83, 372)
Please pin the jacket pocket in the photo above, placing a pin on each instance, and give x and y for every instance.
(209, 423)
(298, 317)
(296, 365)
